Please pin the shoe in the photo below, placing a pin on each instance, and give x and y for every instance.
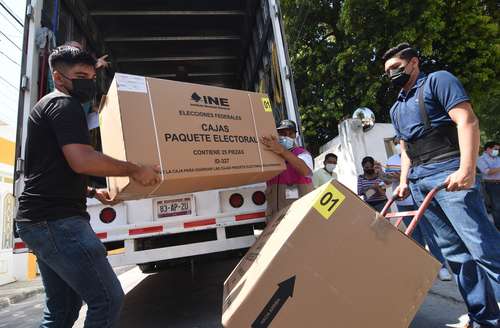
(444, 275)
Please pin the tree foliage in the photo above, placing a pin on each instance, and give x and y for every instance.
(336, 46)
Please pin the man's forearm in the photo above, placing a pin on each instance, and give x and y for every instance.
(468, 139)
(296, 163)
(493, 171)
(98, 164)
(468, 135)
(405, 167)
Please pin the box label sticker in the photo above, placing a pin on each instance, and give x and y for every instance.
(267, 104)
(329, 201)
(131, 83)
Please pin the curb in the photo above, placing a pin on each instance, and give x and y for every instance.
(16, 298)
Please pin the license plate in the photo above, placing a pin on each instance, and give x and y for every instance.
(173, 207)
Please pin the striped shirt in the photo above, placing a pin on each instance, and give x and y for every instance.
(366, 189)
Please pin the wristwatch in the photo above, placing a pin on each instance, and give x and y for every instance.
(91, 193)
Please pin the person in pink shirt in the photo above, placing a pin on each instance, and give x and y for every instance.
(296, 180)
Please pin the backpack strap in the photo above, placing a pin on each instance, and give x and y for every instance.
(421, 106)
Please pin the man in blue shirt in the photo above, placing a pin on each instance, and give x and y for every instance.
(489, 165)
(439, 135)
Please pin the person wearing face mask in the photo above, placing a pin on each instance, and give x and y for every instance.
(326, 173)
(51, 218)
(489, 165)
(439, 134)
(101, 63)
(295, 181)
(371, 186)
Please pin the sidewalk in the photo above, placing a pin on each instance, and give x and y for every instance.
(447, 290)
(19, 291)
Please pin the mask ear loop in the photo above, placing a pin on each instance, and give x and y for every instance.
(67, 78)
(411, 70)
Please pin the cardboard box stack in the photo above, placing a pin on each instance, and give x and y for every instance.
(329, 261)
(202, 137)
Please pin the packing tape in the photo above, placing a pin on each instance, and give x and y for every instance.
(381, 227)
(256, 134)
(156, 137)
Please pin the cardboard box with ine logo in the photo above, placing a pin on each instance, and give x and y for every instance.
(329, 261)
(202, 137)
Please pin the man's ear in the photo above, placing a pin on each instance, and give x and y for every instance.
(416, 61)
(57, 77)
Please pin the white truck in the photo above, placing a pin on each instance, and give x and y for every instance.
(236, 44)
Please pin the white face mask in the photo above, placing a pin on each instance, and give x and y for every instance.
(398, 148)
(287, 142)
(494, 152)
(330, 167)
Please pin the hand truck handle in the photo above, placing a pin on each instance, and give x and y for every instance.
(421, 210)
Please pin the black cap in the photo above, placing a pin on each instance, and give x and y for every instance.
(287, 124)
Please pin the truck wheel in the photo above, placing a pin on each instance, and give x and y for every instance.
(147, 267)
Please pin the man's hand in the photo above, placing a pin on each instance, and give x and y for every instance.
(147, 175)
(402, 191)
(460, 180)
(378, 188)
(102, 62)
(102, 195)
(271, 143)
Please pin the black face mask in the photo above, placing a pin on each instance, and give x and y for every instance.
(83, 89)
(370, 171)
(399, 77)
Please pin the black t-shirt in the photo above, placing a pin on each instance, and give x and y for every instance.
(52, 189)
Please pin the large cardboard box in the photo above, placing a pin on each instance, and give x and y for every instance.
(329, 261)
(202, 137)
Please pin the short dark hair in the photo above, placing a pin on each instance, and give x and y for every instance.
(402, 50)
(330, 155)
(368, 159)
(69, 56)
(490, 144)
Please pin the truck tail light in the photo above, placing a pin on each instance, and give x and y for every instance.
(259, 198)
(236, 200)
(107, 215)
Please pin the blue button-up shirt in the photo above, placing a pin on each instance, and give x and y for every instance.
(442, 92)
(487, 162)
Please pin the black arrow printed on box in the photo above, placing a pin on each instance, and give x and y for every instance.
(285, 291)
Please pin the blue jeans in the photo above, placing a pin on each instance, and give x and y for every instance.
(469, 242)
(423, 234)
(74, 267)
(493, 190)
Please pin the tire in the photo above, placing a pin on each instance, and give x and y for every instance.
(147, 267)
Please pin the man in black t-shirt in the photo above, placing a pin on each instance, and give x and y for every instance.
(52, 218)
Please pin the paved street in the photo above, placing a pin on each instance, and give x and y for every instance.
(173, 298)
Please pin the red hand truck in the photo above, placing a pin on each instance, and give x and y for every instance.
(417, 215)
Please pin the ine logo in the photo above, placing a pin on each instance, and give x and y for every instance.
(209, 101)
(195, 97)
